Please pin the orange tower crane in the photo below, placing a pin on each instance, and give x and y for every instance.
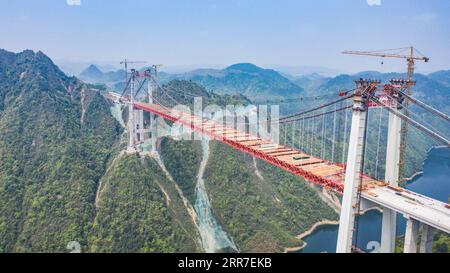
(411, 56)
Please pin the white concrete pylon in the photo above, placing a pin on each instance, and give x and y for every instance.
(139, 114)
(153, 135)
(352, 177)
(131, 114)
(389, 224)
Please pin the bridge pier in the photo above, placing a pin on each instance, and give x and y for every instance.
(426, 241)
(388, 231)
(131, 126)
(411, 236)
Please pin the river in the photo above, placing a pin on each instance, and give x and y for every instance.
(434, 182)
(214, 238)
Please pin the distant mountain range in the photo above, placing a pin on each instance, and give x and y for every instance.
(245, 78)
(442, 77)
(259, 84)
(93, 74)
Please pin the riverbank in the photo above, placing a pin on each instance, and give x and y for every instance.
(413, 177)
(308, 233)
(419, 173)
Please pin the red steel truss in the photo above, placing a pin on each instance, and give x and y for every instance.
(321, 172)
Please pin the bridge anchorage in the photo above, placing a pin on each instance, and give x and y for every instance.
(360, 190)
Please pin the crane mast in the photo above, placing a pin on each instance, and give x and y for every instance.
(125, 62)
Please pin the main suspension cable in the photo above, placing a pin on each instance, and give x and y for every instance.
(413, 122)
(317, 108)
(426, 107)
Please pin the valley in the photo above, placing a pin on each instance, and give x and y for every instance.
(64, 175)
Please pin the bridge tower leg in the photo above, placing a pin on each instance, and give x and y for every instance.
(152, 116)
(389, 222)
(352, 176)
(139, 115)
(131, 113)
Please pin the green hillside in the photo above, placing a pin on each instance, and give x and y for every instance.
(54, 147)
(140, 211)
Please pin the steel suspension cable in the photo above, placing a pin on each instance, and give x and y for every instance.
(302, 133)
(139, 89)
(366, 137)
(293, 134)
(333, 144)
(314, 135)
(426, 107)
(414, 123)
(322, 145)
(417, 116)
(316, 108)
(285, 134)
(344, 147)
(126, 87)
(317, 115)
(378, 142)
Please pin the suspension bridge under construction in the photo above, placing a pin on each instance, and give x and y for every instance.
(360, 191)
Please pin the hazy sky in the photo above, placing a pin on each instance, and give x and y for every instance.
(192, 32)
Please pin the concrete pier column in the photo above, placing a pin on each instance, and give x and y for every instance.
(426, 241)
(388, 231)
(411, 236)
(131, 125)
(139, 114)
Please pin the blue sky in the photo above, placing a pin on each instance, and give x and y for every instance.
(200, 32)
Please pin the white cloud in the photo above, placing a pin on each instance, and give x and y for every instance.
(73, 2)
(374, 2)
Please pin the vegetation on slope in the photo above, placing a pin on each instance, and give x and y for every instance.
(277, 208)
(51, 154)
(57, 140)
(139, 211)
(182, 160)
(441, 243)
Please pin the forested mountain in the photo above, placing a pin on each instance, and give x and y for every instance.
(58, 145)
(441, 76)
(64, 176)
(56, 138)
(246, 79)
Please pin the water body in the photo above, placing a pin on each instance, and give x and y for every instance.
(214, 238)
(434, 182)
